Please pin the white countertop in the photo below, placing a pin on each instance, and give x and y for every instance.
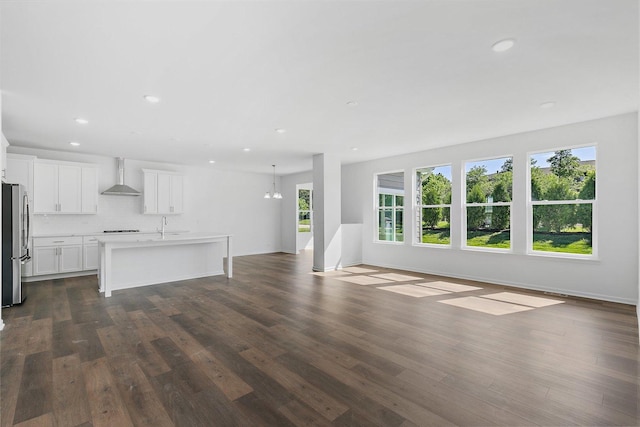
(170, 236)
(101, 233)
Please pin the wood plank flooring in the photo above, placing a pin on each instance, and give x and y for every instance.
(279, 346)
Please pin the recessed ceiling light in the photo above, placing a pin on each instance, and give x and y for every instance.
(81, 121)
(354, 148)
(75, 144)
(212, 161)
(280, 130)
(548, 104)
(352, 103)
(503, 45)
(246, 149)
(152, 99)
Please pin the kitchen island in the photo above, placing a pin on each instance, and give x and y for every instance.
(131, 261)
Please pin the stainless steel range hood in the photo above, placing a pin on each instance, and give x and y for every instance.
(120, 189)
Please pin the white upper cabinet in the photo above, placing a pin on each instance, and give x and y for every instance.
(65, 188)
(89, 190)
(69, 189)
(150, 193)
(20, 171)
(163, 192)
(45, 188)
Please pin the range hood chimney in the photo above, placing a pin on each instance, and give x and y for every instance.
(120, 189)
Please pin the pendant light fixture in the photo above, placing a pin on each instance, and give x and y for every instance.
(273, 194)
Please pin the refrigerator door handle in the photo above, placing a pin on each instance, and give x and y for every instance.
(26, 222)
(23, 259)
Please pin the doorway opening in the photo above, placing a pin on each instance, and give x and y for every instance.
(304, 223)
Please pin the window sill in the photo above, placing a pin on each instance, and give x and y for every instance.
(563, 256)
(431, 245)
(487, 250)
(387, 242)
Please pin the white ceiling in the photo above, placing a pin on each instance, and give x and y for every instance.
(230, 72)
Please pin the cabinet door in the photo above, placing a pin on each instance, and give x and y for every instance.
(176, 194)
(91, 258)
(20, 171)
(45, 260)
(70, 258)
(69, 189)
(164, 193)
(89, 190)
(45, 188)
(150, 193)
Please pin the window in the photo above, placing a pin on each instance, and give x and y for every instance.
(489, 191)
(563, 195)
(433, 199)
(390, 206)
(305, 210)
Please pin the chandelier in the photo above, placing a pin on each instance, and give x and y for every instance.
(273, 194)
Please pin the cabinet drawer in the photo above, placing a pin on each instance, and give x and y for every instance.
(57, 241)
(90, 240)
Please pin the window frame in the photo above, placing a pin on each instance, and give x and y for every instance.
(417, 241)
(464, 205)
(531, 203)
(377, 208)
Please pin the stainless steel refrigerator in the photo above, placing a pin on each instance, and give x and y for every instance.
(15, 242)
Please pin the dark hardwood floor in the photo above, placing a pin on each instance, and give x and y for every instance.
(279, 346)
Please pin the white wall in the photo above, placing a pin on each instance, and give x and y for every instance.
(289, 204)
(214, 200)
(613, 277)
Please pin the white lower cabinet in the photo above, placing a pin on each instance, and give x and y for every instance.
(90, 255)
(52, 255)
(70, 258)
(45, 260)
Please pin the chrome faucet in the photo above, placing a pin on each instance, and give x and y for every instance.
(164, 223)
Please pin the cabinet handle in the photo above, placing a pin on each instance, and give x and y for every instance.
(145, 208)
(96, 208)
(58, 241)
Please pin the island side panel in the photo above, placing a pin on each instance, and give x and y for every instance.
(147, 265)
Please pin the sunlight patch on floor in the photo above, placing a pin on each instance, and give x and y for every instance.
(485, 305)
(397, 277)
(415, 291)
(522, 299)
(359, 270)
(448, 286)
(363, 280)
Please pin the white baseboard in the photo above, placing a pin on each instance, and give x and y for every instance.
(59, 276)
